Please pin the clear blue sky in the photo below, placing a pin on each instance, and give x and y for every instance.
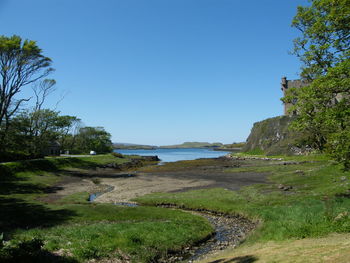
(163, 71)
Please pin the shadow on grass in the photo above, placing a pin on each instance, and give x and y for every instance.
(9, 188)
(19, 214)
(8, 170)
(31, 252)
(101, 173)
(243, 259)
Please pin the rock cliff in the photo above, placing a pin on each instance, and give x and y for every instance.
(272, 136)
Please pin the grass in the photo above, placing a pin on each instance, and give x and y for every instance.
(332, 248)
(142, 233)
(31, 179)
(317, 204)
(54, 164)
(78, 230)
(179, 166)
(76, 198)
(315, 207)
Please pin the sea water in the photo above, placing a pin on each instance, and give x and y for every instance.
(173, 155)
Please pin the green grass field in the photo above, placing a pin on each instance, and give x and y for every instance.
(99, 231)
(74, 230)
(317, 204)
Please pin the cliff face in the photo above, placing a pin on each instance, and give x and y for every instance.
(273, 137)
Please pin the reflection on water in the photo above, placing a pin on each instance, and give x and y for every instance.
(173, 155)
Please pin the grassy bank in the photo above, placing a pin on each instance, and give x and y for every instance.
(64, 231)
(31, 179)
(142, 234)
(332, 248)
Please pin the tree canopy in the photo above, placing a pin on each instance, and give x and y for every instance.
(93, 138)
(28, 132)
(21, 63)
(325, 36)
(323, 107)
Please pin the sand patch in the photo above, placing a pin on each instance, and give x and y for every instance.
(127, 188)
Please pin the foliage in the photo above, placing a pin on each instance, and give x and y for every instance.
(324, 112)
(323, 107)
(33, 132)
(21, 63)
(325, 28)
(92, 139)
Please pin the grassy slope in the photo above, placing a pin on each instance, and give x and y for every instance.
(317, 205)
(83, 231)
(333, 248)
(30, 179)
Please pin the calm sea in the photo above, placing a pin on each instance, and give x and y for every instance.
(173, 155)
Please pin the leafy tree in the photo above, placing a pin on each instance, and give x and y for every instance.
(28, 132)
(325, 36)
(93, 139)
(68, 131)
(33, 131)
(323, 107)
(21, 63)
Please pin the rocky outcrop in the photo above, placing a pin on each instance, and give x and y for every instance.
(272, 136)
(133, 163)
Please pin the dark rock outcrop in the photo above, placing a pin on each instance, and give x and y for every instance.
(154, 158)
(273, 137)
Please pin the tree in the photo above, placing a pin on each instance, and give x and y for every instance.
(21, 63)
(325, 36)
(93, 138)
(323, 107)
(32, 132)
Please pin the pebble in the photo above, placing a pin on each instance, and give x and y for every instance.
(230, 231)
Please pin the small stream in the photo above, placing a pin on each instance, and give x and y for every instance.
(229, 231)
(107, 189)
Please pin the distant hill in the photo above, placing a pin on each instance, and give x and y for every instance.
(133, 146)
(234, 147)
(194, 145)
(216, 145)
